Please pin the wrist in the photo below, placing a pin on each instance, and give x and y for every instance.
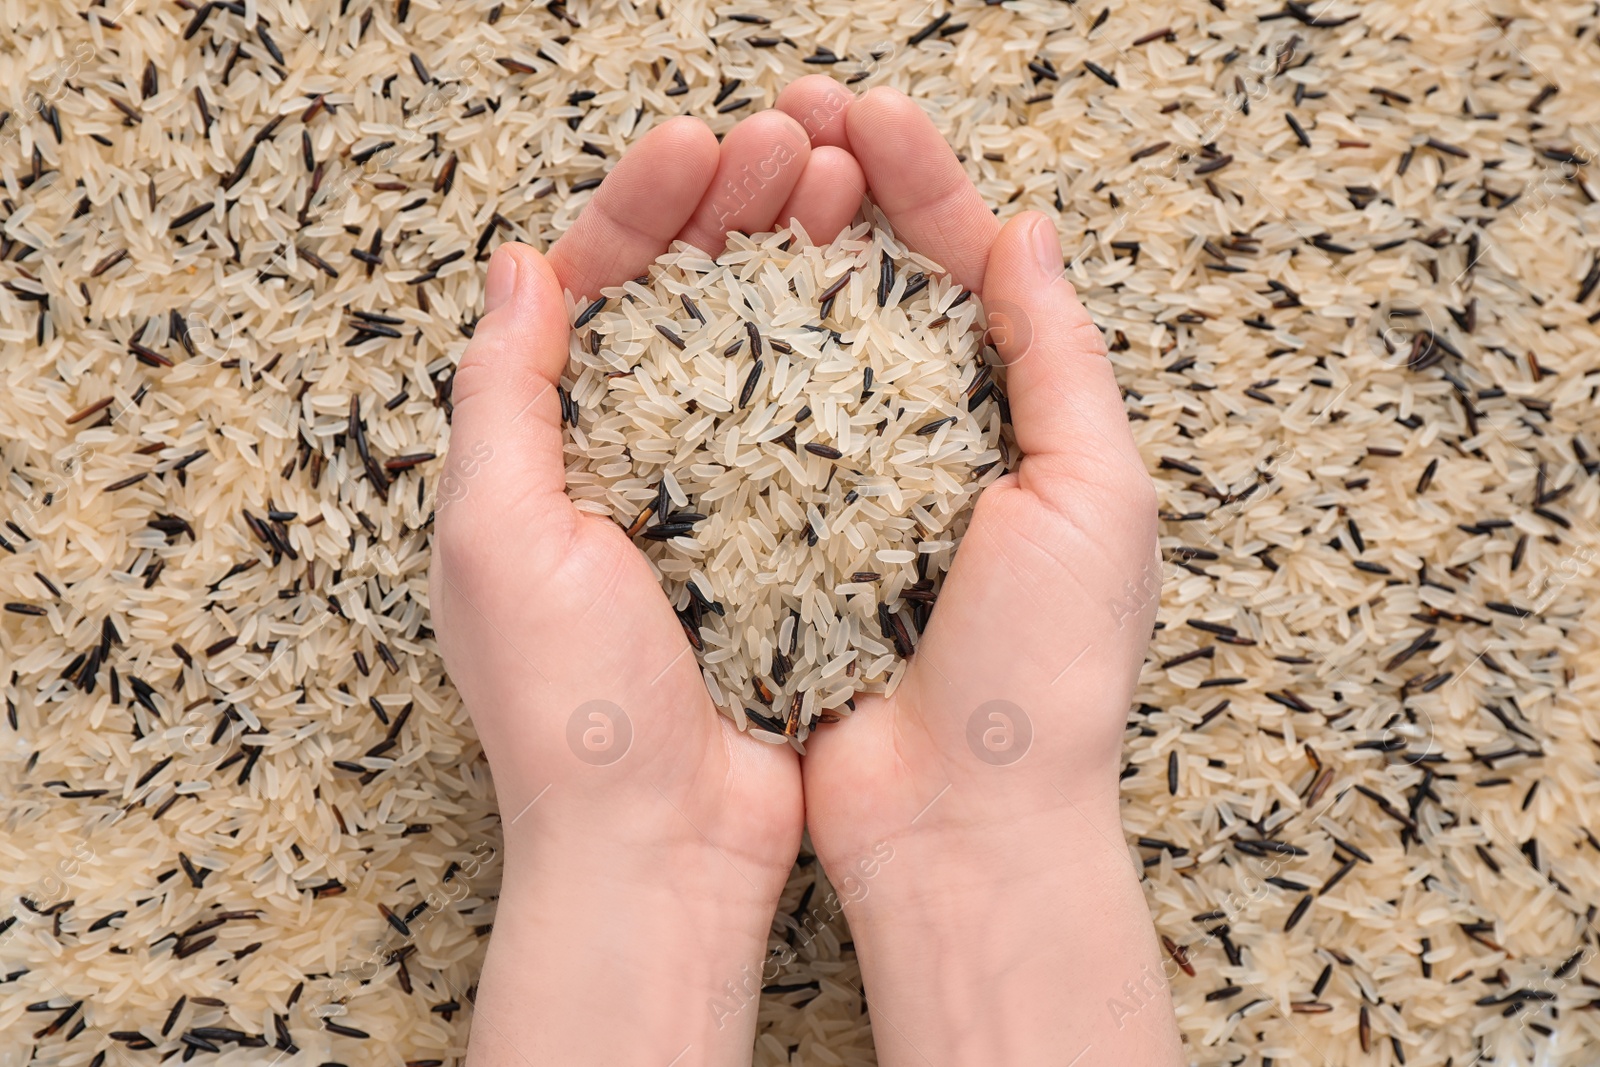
(1014, 953)
(623, 935)
(625, 965)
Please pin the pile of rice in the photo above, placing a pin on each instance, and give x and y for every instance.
(1356, 346)
(796, 436)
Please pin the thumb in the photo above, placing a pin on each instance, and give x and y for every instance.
(1066, 407)
(505, 438)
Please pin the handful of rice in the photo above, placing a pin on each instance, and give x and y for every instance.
(795, 436)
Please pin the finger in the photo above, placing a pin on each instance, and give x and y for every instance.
(818, 104)
(505, 441)
(919, 184)
(827, 196)
(646, 199)
(1065, 403)
(761, 160)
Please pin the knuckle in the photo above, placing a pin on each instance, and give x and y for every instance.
(471, 377)
(1086, 337)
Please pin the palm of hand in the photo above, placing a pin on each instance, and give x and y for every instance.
(1014, 704)
(582, 685)
(1015, 700)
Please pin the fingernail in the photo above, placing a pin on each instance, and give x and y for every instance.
(502, 280)
(1047, 248)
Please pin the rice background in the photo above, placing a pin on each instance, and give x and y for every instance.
(1356, 347)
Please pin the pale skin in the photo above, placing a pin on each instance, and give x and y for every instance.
(1008, 921)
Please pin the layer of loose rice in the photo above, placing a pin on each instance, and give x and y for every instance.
(1432, 195)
